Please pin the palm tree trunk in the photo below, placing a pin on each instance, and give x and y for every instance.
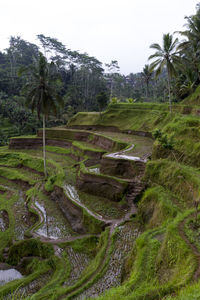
(44, 150)
(147, 89)
(169, 92)
(111, 89)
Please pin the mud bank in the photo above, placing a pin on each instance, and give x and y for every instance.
(73, 213)
(34, 143)
(100, 185)
(121, 167)
(111, 129)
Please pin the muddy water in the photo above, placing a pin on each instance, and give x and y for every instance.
(54, 226)
(9, 275)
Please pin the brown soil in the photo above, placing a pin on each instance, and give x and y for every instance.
(101, 186)
(72, 212)
(23, 184)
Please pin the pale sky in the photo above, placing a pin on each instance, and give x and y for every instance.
(119, 30)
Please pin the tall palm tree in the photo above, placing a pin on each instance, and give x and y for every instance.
(190, 47)
(41, 92)
(147, 74)
(166, 56)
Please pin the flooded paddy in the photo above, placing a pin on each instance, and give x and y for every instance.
(78, 261)
(4, 220)
(94, 170)
(23, 219)
(9, 275)
(143, 144)
(31, 288)
(96, 206)
(54, 226)
(126, 236)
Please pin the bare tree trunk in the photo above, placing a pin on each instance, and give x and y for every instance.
(44, 150)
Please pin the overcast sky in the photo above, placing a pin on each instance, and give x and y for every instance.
(119, 30)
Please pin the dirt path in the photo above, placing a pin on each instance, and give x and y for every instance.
(64, 240)
(194, 249)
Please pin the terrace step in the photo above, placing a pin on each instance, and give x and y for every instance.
(135, 188)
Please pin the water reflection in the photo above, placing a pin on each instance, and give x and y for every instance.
(54, 226)
(94, 170)
(9, 275)
(121, 155)
(4, 220)
(72, 193)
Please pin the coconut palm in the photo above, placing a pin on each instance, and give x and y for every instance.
(166, 56)
(147, 75)
(41, 92)
(190, 47)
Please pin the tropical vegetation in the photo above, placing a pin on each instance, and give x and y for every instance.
(100, 199)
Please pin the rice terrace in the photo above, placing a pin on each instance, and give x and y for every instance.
(100, 172)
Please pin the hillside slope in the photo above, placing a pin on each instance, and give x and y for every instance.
(118, 216)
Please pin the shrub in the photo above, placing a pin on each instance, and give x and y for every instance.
(114, 100)
(164, 140)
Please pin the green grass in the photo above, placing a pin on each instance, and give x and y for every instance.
(193, 99)
(38, 268)
(183, 181)
(58, 150)
(157, 207)
(87, 146)
(102, 205)
(87, 245)
(183, 129)
(30, 247)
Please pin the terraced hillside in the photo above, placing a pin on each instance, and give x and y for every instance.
(117, 217)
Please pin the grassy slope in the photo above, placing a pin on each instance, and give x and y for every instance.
(193, 99)
(161, 262)
(13, 163)
(183, 129)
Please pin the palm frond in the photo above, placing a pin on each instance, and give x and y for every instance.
(155, 64)
(156, 46)
(155, 55)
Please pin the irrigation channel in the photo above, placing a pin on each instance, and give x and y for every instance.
(53, 228)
